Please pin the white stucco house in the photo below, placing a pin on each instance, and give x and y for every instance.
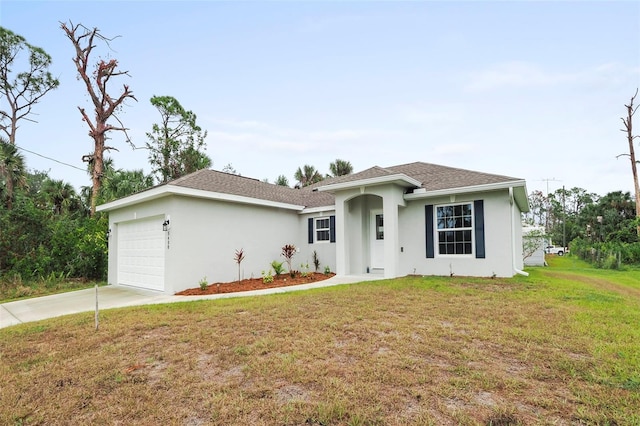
(534, 242)
(415, 218)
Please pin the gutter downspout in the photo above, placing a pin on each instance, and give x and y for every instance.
(513, 236)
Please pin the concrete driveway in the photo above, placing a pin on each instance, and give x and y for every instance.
(115, 296)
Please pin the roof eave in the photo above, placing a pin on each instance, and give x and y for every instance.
(398, 179)
(520, 192)
(167, 190)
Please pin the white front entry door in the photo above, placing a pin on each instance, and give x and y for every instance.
(376, 239)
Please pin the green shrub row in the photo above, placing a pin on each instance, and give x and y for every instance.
(35, 244)
(606, 255)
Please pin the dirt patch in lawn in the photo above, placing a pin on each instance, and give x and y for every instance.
(283, 280)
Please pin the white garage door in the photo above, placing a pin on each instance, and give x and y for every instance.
(141, 253)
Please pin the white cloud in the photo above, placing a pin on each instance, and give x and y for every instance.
(520, 74)
(514, 74)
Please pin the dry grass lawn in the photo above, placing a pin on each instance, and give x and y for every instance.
(561, 347)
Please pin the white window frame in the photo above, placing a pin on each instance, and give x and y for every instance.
(470, 228)
(317, 229)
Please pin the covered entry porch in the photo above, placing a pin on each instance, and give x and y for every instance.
(367, 228)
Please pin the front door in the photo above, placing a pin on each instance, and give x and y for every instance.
(377, 240)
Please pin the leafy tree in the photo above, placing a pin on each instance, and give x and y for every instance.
(340, 168)
(106, 106)
(175, 144)
(537, 214)
(307, 175)
(12, 171)
(21, 90)
(563, 213)
(282, 180)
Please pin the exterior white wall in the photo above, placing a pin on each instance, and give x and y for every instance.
(498, 239)
(204, 235)
(326, 251)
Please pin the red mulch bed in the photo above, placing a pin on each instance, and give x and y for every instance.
(283, 280)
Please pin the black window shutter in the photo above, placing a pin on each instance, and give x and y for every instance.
(429, 236)
(478, 220)
(332, 229)
(310, 222)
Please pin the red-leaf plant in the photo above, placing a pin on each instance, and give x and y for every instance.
(239, 257)
(288, 251)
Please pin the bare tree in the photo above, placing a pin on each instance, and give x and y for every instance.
(106, 106)
(21, 89)
(628, 129)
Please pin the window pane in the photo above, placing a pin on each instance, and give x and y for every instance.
(323, 236)
(454, 224)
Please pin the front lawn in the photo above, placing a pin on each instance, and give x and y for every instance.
(561, 346)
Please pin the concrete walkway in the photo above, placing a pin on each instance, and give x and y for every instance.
(114, 296)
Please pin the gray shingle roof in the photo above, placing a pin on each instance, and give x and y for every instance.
(215, 181)
(433, 177)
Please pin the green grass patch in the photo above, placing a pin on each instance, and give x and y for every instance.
(14, 288)
(560, 346)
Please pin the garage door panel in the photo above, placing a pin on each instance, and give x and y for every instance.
(141, 253)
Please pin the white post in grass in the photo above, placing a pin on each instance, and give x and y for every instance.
(97, 320)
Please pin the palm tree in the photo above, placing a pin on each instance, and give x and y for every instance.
(12, 170)
(121, 183)
(62, 195)
(307, 175)
(282, 180)
(340, 168)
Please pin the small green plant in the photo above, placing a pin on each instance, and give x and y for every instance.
(288, 251)
(277, 267)
(203, 283)
(327, 270)
(316, 261)
(304, 269)
(267, 277)
(239, 257)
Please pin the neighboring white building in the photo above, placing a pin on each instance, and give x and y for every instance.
(534, 241)
(416, 218)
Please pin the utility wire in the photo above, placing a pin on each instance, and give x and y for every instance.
(52, 159)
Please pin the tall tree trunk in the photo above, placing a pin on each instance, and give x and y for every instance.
(628, 124)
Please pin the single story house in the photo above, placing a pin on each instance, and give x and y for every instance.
(415, 218)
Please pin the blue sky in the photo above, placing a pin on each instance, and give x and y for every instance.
(533, 90)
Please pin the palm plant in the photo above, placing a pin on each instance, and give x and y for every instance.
(61, 195)
(282, 180)
(340, 168)
(307, 175)
(12, 170)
